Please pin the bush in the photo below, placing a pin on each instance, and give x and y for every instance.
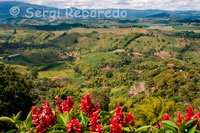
(16, 93)
(91, 119)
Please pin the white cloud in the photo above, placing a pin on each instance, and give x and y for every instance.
(131, 4)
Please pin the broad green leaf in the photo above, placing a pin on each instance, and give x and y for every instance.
(7, 119)
(186, 125)
(144, 128)
(58, 126)
(57, 131)
(168, 122)
(12, 131)
(63, 119)
(190, 122)
(169, 127)
(170, 131)
(198, 131)
(161, 131)
(192, 130)
(153, 127)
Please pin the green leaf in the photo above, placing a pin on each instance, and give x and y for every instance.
(192, 130)
(153, 127)
(17, 117)
(28, 121)
(130, 127)
(161, 131)
(190, 122)
(7, 119)
(106, 128)
(57, 131)
(170, 131)
(198, 131)
(63, 119)
(168, 122)
(58, 126)
(144, 128)
(126, 129)
(169, 127)
(84, 120)
(12, 131)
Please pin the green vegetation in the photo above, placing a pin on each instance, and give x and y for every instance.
(146, 72)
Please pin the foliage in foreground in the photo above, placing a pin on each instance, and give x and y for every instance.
(91, 119)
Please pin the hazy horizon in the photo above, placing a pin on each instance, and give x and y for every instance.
(172, 5)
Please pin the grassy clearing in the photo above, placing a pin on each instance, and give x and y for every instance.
(119, 31)
(56, 73)
(185, 28)
(96, 58)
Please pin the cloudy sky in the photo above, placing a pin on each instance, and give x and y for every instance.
(132, 4)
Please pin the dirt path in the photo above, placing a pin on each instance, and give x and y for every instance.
(137, 89)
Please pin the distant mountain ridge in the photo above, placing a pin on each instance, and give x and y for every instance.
(131, 13)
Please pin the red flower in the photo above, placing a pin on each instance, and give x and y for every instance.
(117, 121)
(87, 107)
(119, 114)
(45, 120)
(57, 100)
(197, 116)
(115, 126)
(67, 105)
(94, 125)
(166, 117)
(157, 126)
(99, 129)
(179, 119)
(129, 120)
(74, 126)
(36, 116)
(189, 114)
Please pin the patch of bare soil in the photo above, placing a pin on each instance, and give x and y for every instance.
(163, 55)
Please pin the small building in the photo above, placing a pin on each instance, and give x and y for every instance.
(105, 87)
(134, 53)
(14, 55)
(131, 93)
(171, 65)
(55, 79)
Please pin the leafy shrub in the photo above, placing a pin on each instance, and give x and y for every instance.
(91, 119)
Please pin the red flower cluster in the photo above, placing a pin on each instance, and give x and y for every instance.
(116, 126)
(189, 114)
(66, 105)
(94, 125)
(87, 107)
(165, 117)
(74, 126)
(45, 120)
(119, 114)
(179, 119)
(36, 116)
(118, 120)
(129, 120)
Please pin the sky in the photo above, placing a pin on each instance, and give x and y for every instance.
(125, 4)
